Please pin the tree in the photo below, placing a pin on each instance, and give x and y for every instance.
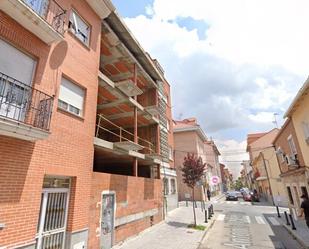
(238, 184)
(192, 172)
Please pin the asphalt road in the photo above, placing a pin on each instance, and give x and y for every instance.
(243, 225)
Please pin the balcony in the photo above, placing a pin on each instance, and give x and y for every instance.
(25, 112)
(122, 140)
(44, 18)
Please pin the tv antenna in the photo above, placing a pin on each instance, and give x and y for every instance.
(275, 122)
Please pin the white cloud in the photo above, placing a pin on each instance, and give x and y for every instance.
(249, 31)
(250, 65)
(262, 117)
(232, 154)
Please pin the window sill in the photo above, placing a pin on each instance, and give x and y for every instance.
(78, 40)
(70, 114)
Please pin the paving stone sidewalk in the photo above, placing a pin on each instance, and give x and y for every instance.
(172, 233)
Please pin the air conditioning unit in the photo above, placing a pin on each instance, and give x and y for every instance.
(279, 151)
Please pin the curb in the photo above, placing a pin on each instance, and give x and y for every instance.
(299, 239)
(209, 226)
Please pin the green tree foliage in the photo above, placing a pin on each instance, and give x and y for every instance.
(238, 184)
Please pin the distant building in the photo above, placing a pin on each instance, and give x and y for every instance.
(292, 146)
(266, 170)
(212, 160)
(291, 163)
(188, 137)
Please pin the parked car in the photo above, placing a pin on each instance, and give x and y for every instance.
(232, 196)
(254, 196)
(239, 194)
(247, 196)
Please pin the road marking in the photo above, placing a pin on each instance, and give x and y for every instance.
(273, 221)
(260, 220)
(215, 201)
(221, 217)
(247, 219)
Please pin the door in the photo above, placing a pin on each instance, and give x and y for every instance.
(107, 221)
(53, 219)
(16, 74)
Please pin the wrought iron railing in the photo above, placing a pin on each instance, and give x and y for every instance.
(50, 11)
(111, 132)
(25, 104)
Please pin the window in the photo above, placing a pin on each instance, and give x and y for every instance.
(166, 187)
(304, 190)
(170, 153)
(290, 195)
(79, 27)
(306, 131)
(71, 97)
(281, 155)
(173, 186)
(292, 145)
(168, 125)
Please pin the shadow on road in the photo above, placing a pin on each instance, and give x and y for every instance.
(281, 238)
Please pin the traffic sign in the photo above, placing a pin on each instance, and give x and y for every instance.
(214, 180)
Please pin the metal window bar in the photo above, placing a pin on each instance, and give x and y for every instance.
(25, 104)
(50, 11)
(123, 134)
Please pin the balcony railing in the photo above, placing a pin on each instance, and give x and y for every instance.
(50, 11)
(23, 103)
(111, 132)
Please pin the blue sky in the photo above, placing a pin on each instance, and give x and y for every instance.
(131, 8)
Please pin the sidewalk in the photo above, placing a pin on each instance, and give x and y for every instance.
(301, 234)
(172, 233)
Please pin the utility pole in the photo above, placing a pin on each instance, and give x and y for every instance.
(265, 166)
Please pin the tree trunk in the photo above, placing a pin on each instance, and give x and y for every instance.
(193, 206)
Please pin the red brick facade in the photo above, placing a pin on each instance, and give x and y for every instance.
(133, 195)
(68, 151)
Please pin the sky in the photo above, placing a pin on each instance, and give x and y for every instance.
(231, 64)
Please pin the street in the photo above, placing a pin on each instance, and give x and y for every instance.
(242, 225)
(236, 224)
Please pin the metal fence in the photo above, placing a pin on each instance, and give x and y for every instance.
(111, 132)
(25, 104)
(50, 11)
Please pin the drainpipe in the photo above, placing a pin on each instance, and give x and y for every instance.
(265, 166)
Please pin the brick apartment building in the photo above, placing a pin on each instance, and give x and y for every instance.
(291, 163)
(213, 165)
(80, 139)
(266, 171)
(168, 170)
(189, 137)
